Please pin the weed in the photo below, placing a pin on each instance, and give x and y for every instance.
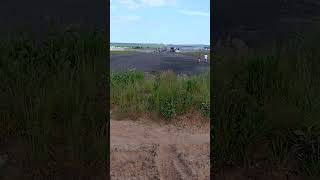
(48, 94)
(166, 94)
(268, 97)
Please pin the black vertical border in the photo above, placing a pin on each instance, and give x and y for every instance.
(107, 47)
(32, 13)
(213, 39)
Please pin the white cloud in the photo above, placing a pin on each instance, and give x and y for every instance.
(130, 4)
(133, 18)
(194, 13)
(122, 19)
(134, 4)
(157, 3)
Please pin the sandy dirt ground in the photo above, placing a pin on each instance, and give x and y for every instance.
(146, 149)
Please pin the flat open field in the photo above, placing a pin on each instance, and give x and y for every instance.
(151, 62)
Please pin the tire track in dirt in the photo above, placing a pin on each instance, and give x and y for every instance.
(171, 165)
(146, 150)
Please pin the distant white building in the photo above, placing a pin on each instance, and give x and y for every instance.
(115, 48)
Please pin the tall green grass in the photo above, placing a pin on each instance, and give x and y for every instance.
(168, 95)
(49, 96)
(269, 98)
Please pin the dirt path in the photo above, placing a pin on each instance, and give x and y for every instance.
(148, 150)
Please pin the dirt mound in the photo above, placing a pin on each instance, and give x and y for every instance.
(148, 150)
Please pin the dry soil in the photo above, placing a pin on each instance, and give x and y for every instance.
(146, 149)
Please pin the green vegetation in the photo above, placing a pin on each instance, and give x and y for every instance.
(267, 107)
(49, 99)
(166, 94)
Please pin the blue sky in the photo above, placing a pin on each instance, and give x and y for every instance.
(160, 21)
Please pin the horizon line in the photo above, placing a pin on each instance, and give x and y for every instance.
(162, 43)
